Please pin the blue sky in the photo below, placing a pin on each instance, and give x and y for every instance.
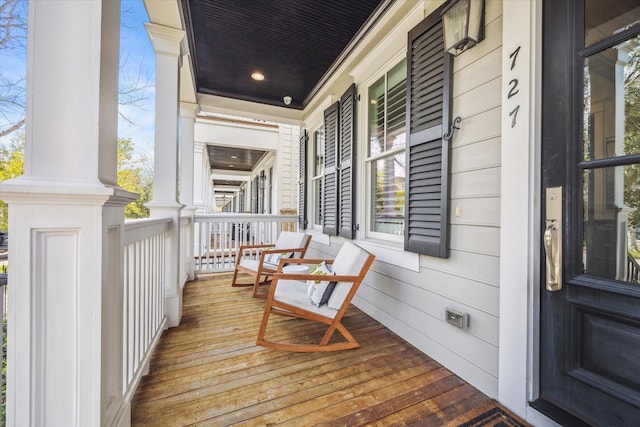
(137, 63)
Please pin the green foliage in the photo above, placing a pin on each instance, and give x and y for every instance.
(11, 166)
(632, 135)
(134, 177)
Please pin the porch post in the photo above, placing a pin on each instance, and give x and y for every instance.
(166, 44)
(200, 176)
(187, 117)
(66, 219)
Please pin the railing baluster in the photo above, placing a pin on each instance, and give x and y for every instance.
(144, 317)
(218, 237)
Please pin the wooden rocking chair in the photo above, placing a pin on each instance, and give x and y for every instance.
(289, 296)
(262, 260)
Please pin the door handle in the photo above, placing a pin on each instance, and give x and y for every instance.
(553, 238)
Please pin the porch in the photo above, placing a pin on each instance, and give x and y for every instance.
(209, 371)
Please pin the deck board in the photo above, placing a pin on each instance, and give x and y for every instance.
(209, 372)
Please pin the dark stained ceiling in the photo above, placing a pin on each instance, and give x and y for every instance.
(292, 42)
(233, 158)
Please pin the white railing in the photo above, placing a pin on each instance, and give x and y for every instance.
(217, 237)
(186, 250)
(144, 278)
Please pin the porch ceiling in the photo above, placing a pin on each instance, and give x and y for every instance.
(292, 42)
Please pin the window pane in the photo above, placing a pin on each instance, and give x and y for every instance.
(612, 102)
(376, 117)
(396, 106)
(388, 198)
(603, 19)
(612, 222)
(318, 150)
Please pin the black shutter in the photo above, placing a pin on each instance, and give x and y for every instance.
(347, 163)
(428, 98)
(330, 180)
(302, 182)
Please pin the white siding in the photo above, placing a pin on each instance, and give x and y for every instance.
(286, 168)
(413, 303)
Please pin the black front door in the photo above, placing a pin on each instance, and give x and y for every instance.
(590, 319)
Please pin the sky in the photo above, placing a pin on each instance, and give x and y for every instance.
(137, 63)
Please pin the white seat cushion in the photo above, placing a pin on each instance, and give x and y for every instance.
(294, 292)
(252, 264)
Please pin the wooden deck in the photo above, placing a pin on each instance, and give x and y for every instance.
(209, 372)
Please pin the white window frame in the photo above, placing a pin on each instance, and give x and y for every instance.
(369, 161)
(315, 180)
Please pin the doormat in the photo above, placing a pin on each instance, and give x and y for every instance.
(494, 417)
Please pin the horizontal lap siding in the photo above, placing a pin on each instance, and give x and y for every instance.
(413, 304)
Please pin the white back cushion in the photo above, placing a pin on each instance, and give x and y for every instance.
(349, 261)
(290, 240)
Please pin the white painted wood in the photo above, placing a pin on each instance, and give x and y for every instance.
(484, 211)
(472, 238)
(422, 298)
(475, 155)
(520, 206)
(65, 219)
(144, 318)
(476, 183)
(233, 134)
(477, 126)
(457, 288)
(187, 125)
(477, 101)
(392, 255)
(480, 378)
(166, 43)
(480, 72)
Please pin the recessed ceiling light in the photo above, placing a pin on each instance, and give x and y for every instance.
(234, 157)
(257, 76)
(231, 166)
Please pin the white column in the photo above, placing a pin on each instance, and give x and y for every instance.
(166, 44)
(66, 221)
(200, 175)
(187, 157)
(187, 116)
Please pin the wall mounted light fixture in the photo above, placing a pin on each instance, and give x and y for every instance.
(463, 22)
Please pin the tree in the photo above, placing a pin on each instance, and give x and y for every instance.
(13, 36)
(134, 177)
(136, 82)
(11, 166)
(632, 133)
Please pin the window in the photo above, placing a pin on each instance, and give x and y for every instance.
(386, 150)
(317, 173)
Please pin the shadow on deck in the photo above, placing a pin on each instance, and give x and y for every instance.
(209, 372)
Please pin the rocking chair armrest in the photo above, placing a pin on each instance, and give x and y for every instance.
(300, 261)
(256, 246)
(279, 250)
(303, 277)
(307, 260)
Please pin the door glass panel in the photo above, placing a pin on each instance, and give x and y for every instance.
(605, 18)
(611, 240)
(612, 102)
